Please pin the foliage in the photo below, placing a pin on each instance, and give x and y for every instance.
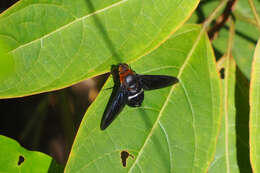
(197, 125)
(14, 158)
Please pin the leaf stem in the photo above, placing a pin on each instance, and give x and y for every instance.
(252, 5)
(231, 38)
(226, 86)
(213, 15)
(222, 19)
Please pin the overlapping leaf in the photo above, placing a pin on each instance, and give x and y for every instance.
(255, 111)
(226, 154)
(54, 44)
(246, 36)
(246, 33)
(14, 158)
(176, 128)
(242, 121)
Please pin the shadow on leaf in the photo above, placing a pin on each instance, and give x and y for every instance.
(242, 121)
(100, 27)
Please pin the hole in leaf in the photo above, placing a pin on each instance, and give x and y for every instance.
(21, 160)
(222, 73)
(124, 156)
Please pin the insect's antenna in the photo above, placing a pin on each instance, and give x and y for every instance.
(107, 88)
(110, 75)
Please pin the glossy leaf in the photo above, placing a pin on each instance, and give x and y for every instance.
(246, 36)
(246, 32)
(176, 128)
(14, 158)
(255, 111)
(54, 43)
(226, 154)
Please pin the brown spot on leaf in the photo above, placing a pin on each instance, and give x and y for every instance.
(124, 156)
(20, 160)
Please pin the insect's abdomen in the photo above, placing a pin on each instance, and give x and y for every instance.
(136, 99)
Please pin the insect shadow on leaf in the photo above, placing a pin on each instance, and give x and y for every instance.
(101, 28)
(159, 141)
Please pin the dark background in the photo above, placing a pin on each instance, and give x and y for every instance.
(47, 122)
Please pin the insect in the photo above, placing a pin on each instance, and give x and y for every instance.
(129, 90)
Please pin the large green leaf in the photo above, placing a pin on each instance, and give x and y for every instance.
(175, 129)
(255, 111)
(54, 43)
(226, 155)
(14, 158)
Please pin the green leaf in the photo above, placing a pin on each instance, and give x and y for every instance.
(242, 121)
(226, 154)
(255, 111)
(175, 129)
(14, 158)
(54, 43)
(6, 62)
(246, 34)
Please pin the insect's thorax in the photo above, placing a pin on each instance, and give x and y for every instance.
(129, 80)
(124, 71)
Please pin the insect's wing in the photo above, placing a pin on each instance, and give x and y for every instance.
(151, 82)
(116, 103)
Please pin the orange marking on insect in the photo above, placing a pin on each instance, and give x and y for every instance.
(124, 70)
(123, 74)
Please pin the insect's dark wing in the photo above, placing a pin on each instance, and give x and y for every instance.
(116, 103)
(151, 82)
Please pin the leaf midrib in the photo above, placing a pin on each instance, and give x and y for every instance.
(226, 108)
(69, 24)
(167, 100)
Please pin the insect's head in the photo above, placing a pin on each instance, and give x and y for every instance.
(120, 72)
(123, 68)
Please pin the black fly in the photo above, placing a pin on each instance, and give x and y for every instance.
(129, 89)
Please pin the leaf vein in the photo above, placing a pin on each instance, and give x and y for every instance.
(193, 120)
(71, 23)
(168, 142)
(167, 99)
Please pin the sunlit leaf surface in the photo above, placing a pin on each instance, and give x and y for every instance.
(175, 129)
(54, 43)
(255, 111)
(14, 158)
(226, 154)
